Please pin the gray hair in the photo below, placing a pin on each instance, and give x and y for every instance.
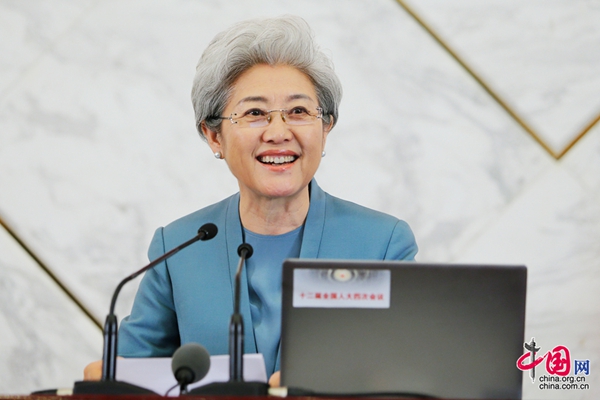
(286, 40)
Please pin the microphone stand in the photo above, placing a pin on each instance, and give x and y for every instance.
(109, 384)
(236, 385)
(236, 326)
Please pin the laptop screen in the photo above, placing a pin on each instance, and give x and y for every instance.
(368, 327)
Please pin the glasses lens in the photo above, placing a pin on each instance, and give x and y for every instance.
(257, 123)
(298, 116)
(252, 117)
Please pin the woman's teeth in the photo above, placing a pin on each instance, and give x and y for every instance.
(277, 159)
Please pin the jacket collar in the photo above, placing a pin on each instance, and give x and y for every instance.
(315, 222)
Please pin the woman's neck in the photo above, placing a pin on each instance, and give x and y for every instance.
(273, 216)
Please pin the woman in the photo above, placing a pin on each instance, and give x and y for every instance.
(265, 99)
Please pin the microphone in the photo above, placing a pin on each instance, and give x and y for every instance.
(236, 385)
(108, 384)
(190, 363)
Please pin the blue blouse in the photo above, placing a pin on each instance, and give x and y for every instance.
(264, 286)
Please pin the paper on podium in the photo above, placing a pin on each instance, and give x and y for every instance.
(155, 373)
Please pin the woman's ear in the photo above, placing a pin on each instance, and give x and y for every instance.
(212, 137)
(328, 127)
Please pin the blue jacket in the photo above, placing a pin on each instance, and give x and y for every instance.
(189, 298)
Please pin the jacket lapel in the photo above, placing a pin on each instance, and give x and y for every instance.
(315, 222)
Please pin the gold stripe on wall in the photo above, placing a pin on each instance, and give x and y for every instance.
(494, 95)
(49, 272)
(585, 130)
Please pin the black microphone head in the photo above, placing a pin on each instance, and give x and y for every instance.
(209, 231)
(245, 248)
(190, 363)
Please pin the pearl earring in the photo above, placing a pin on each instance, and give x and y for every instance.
(218, 155)
(323, 153)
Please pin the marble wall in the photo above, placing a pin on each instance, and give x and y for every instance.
(473, 121)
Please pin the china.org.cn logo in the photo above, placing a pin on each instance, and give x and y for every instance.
(561, 372)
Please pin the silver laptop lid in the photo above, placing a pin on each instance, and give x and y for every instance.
(442, 330)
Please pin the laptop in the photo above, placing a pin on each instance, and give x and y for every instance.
(402, 328)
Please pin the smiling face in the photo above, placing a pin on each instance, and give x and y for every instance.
(277, 160)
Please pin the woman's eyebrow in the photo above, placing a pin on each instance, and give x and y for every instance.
(299, 96)
(252, 99)
(262, 99)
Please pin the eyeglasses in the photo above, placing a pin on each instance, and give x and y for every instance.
(257, 117)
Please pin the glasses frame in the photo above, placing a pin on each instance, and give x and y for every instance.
(269, 118)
